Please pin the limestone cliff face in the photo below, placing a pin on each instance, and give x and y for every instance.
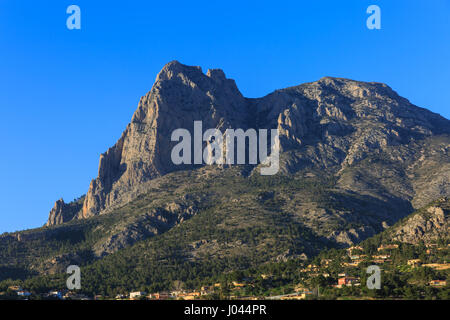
(363, 133)
(180, 95)
(427, 226)
(366, 135)
(63, 212)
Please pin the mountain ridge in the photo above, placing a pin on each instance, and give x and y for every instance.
(182, 94)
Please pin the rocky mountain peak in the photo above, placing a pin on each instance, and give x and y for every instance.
(216, 74)
(63, 212)
(175, 69)
(428, 225)
(181, 95)
(330, 124)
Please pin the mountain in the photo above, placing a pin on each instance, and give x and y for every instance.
(430, 224)
(355, 159)
(180, 95)
(337, 126)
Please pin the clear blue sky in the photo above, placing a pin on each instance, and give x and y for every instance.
(66, 95)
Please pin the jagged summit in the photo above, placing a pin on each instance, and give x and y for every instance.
(194, 74)
(216, 74)
(174, 68)
(332, 124)
(348, 86)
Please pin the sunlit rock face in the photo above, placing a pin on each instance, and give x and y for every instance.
(336, 125)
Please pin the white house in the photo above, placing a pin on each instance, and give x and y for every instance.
(23, 293)
(136, 294)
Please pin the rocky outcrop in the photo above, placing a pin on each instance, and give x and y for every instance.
(154, 222)
(63, 212)
(59, 263)
(427, 226)
(352, 236)
(180, 95)
(363, 133)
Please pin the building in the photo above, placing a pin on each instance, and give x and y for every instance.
(299, 288)
(355, 248)
(437, 266)
(15, 288)
(237, 284)
(160, 296)
(177, 293)
(438, 283)
(382, 256)
(348, 281)
(136, 294)
(387, 247)
(56, 294)
(190, 295)
(326, 262)
(378, 261)
(23, 293)
(312, 267)
(414, 262)
(351, 264)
